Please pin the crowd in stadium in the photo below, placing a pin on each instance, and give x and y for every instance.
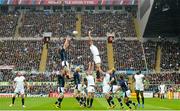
(8, 23)
(101, 23)
(170, 55)
(150, 54)
(35, 23)
(129, 56)
(24, 55)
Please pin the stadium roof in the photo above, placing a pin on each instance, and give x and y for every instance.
(164, 19)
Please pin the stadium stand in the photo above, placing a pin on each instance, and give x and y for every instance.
(35, 23)
(8, 22)
(128, 55)
(150, 54)
(23, 54)
(170, 60)
(101, 23)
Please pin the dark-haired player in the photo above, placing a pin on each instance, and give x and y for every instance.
(114, 87)
(61, 83)
(77, 83)
(123, 85)
(139, 87)
(64, 57)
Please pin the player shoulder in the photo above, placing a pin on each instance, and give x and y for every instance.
(22, 77)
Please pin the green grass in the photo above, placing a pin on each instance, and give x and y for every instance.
(71, 104)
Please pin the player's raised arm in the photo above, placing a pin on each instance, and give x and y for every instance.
(66, 43)
(90, 38)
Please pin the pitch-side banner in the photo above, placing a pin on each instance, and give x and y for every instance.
(68, 2)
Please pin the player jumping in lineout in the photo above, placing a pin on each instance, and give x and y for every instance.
(96, 57)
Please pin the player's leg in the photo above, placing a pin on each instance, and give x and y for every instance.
(142, 97)
(97, 61)
(92, 99)
(60, 98)
(163, 95)
(105, 92)
(137, 97)
(76, 94)
(119, 98)
(16, 91)
(128, 102)
(13, 100)
(88, 99)
(117, 95)
(83, 99)
(22, 100)
(22, 96)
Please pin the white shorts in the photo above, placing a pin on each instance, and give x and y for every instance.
(90, 89)
(106, 89)
(115, 87)
(65, 63)
(127, 93)
(97, 59)
(139, 87)
(162, 92)
(61, 90)
(19, 90)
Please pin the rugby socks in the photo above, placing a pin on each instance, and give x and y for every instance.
(127, 103)
(142, 100)
(130, 102)
(13, 100)
(138, 99)
(91, 102)
(81, 100)
(111, 100)
(22, 101)
(60, 100)
(120, 102)
(84, 101)
(88, 101)
(78, 99)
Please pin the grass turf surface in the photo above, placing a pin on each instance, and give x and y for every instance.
(71, 104)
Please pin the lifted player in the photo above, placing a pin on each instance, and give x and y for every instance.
(64, 57)
(96, 57)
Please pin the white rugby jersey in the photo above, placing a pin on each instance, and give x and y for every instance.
(139, 78)
(90, 80)
(94, 50)
(106, 79)
(162, 87)
(19, 81)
